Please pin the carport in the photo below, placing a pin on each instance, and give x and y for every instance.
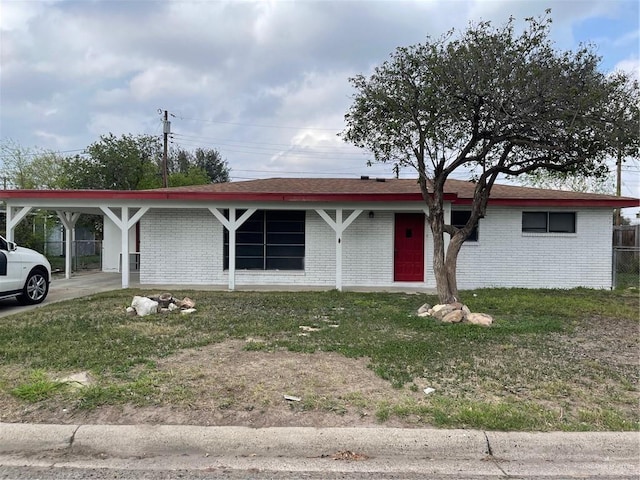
(69, 205)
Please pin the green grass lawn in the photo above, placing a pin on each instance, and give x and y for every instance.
(553, 360)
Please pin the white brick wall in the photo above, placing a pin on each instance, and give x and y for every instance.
(504, 256)
(368, 250)
(185, 247)
(177, 246)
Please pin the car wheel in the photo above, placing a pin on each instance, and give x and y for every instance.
(35, 288)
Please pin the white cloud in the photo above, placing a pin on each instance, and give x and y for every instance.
(75, 70)
(630, 66)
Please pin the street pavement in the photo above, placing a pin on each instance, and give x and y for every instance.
(378, 452)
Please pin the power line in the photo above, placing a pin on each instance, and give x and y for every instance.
(284, 127)
(243, 143)
(43, 152)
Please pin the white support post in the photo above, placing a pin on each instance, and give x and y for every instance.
(231, 224)
(124, 247)
(68, 220)
(124, 223)
(13, 220)
(339, 227)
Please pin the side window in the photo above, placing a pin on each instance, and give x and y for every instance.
(3, 244)
(549, 222)
(459, 219)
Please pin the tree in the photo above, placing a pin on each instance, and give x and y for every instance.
(34, 169)
(126, 163)
(200, 167)
(569, 182)
(211, 161)
(492, 103)
(27, 168)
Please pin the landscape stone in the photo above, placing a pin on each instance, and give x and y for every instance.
(455, 316)
(444, 311)
(424, 308)
(144, 306)
(480, 319)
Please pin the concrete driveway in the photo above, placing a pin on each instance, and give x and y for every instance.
(79, 285)
(82, 284)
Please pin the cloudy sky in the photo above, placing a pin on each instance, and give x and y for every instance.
(264, 82)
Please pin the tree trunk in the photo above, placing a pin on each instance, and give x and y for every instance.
(444, 266)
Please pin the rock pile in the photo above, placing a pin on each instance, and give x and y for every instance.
(162, 303)
(454, 313)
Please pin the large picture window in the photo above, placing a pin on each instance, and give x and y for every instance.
(549, 222)
(459, 219)
(269, 240)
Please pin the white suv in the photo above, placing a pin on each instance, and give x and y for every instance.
(24, 273)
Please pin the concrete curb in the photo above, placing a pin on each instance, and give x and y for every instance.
(314, 449)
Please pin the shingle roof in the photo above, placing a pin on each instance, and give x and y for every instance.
(462, 190)
(333, 190)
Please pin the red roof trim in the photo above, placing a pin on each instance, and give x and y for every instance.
(561, 202)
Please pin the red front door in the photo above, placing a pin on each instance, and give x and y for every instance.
(409, 248)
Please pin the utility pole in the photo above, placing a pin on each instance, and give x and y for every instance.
(618, 184)
(166, 129)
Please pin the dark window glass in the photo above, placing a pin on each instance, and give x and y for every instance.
(534, 222)
(249, 237)
(286, 238)
(459, 219)
(285, 263)
(246, 263)
(269, 240)
(549, 222)
(562, 222)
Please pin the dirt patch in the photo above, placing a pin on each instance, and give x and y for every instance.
(236, 382)
(224, 384)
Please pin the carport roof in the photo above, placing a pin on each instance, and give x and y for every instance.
(331, 190)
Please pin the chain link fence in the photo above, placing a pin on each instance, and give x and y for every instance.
(626, 256)
(85, 255)
(626, 267)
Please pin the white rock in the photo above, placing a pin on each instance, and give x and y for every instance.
(480, 319)
(429, 390)
(306, 328)
(423, 309)
(144, 306)
(456, 316)
(188, 310)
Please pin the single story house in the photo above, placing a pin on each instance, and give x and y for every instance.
(338, 233)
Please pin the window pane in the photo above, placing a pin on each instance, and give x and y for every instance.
(534, 222)
(285, 227)
(249, 250)
(285, 251)
(459, 218)
(249, 237)
(285, 263)
(285, 238)
(249, 263)
(562, 222)
(251, 226)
